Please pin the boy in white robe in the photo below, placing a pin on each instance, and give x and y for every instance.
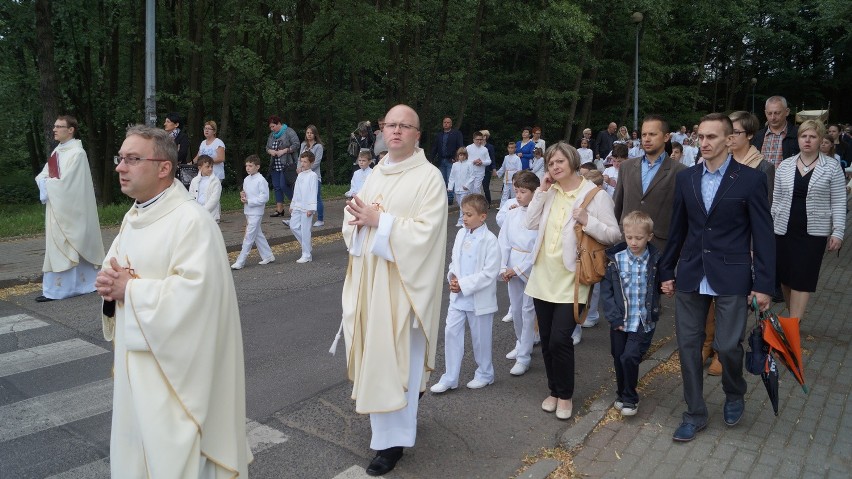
(461, 180)
(511, 165)
(304, 205)
(171, 309)
(478, 155)
(473, 297)
(516, 244)
(360, 175)
(254, 196)
(206, 187)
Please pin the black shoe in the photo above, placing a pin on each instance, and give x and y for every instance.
(385, 461)
(733, 411)
(276, 214)
(43, 299)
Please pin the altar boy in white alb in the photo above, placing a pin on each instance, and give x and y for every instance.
(254, 196)
(478, 155)
(171, 309)
(516, 245)
(73, 244)
(304, 204)
(473, 296)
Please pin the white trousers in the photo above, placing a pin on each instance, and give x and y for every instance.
(508, 193)
(254, 236)
(459, 197)
(399, 428)
(480, 335)
(594, 315)
(523, 313)
(301, 224)
(72, 282)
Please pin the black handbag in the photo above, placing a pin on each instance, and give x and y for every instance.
(186, 172)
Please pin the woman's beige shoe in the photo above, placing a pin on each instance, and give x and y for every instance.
(564, 408)
(549, 404)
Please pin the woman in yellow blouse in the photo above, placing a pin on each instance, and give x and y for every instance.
(552, 212)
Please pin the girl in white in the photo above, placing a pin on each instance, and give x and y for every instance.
(516, 244)
(254, 196)
(206, 188)
(360, 175)
(214, 148)
(461, 180)
(473, 296)
(586, 155)
(304, 204)
(538, 163)
(511, 165)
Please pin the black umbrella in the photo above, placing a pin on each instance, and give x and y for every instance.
(770, 380)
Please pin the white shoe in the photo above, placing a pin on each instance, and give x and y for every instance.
(629, 409)
(478, 384)
(507, 318)
(577, 335)
(590, 323)
(304, 259)
(519, 369)
(271, 259)
(319, 223)
(618, 405)
(285, 222)
(513, 354)
(440, 387)
(237, 266)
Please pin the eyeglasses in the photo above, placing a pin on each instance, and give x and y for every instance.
(402, 126)
(133, 160)
(59, 127)
(739, 132)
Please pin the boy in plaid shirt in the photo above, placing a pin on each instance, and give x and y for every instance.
(630, 292)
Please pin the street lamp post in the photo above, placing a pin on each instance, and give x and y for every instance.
(636, 18)
(753, 87)
(150, 65)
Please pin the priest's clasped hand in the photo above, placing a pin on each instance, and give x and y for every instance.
(364, 214)
(111, 282)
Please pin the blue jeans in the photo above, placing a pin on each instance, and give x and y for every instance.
(320, 207)
(446, 166)
(280, 186)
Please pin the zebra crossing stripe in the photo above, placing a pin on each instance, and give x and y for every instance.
(38, 357)
(19, 322)
(94, 470)
(55, 409)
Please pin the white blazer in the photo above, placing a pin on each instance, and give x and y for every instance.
(483, 283)
(825, 203)
(214, 193)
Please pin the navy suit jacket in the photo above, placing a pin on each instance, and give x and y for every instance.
(733, 244)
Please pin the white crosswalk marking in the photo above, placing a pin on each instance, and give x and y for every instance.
(19, 322)
(38, 357)
(55, 409)
(354, 472)
(94, 470)
(261, 438)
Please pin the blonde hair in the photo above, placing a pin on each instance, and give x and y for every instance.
(567, 150)
(211, 124)
(638, 218)
(595, 176)
(477, 202)
(815, 125)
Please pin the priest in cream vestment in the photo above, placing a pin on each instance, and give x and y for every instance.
(171, 308)
(396, 233)
(73, 244)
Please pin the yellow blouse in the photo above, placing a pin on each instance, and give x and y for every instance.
(549, 279)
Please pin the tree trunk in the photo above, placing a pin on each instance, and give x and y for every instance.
(47, 73)
(597, 49)
(472, 63)
(575, 94)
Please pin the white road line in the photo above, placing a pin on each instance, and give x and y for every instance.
(19, 322)
(38, 357)
(94, 470)
(354, 472)
(47, 411)
(261, 438)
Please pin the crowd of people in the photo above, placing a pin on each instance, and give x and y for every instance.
(745, 218)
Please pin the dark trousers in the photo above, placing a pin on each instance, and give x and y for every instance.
(690, 318)
(555, 325)
(446, 167)
(280, 186)
(627, 349)
(320, 206)
(486, 183)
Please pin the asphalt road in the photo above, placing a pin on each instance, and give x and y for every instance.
(55, 414)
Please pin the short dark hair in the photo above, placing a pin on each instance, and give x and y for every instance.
(619, 150)
(477, 202)
(655, 117)
(677, 146)
(749, 122)
(70, 122)
(253, 159)
(309, 155)
(511, 142)
(175, 118)
(526, 179)
(275, 119)
(726, 122)
(589, 166)
(204, 159)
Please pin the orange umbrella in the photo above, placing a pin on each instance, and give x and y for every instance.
(782, 336)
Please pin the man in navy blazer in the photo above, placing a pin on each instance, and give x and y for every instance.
(721, 246)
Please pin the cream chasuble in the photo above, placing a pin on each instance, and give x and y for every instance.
(71, 227)
(380, 297)
(179, 395)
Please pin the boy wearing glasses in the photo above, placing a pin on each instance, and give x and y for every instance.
(254, 196)
(479, 158)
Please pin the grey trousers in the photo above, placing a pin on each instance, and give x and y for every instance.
(690, 318)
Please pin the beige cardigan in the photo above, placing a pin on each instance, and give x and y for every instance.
(601, 224)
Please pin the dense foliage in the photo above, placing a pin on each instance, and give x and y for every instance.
(500, 65)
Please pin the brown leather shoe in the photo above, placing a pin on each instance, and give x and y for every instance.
(706, 352)
(715, 368)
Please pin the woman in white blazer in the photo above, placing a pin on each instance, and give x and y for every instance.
(554, 211)
(809, 216)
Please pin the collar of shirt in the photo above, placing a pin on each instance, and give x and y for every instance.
(569, 194)
(151, 201)
(475, 233)
(642, 258)
(720, 171)
(783, 130)
(657, 163)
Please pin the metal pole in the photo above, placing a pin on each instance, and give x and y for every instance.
(150, 65)
(753, 87)
(636, 84)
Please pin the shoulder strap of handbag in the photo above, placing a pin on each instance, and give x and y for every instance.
(589, 197)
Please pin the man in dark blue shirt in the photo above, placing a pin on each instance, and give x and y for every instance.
(447, 141)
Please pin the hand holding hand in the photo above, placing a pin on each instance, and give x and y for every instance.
(668, 288)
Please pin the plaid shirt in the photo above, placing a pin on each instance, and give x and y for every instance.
(633, 271)
(277, 161)
(772, 146)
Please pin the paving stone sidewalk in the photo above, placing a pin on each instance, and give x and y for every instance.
(810, 437)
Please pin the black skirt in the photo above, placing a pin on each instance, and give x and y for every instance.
(798, 254)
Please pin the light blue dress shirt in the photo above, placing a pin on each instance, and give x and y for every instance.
(649, 171)
(710, 182)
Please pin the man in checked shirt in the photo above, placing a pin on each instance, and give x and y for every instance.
(779, 140)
